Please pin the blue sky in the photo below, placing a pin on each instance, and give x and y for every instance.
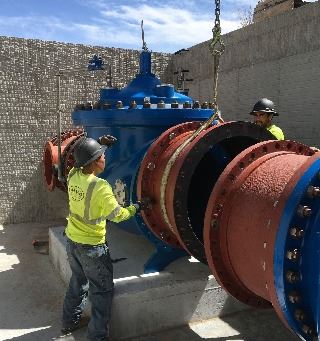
(169, 25)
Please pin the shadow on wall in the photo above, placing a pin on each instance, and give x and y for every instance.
(34, 202)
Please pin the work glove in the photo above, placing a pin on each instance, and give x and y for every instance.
(138, 206)
(107, 140)
(142, 205)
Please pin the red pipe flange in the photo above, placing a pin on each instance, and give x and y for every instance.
(179, 180)
(50, 157)
(243, 215)
(150, 175)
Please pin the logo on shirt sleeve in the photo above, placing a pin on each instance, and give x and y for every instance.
(76, 193)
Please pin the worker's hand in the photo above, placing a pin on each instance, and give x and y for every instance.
(137, 206)
(107, 140)
(142, 205)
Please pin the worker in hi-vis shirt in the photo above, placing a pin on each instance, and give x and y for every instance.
(91, 204)
(263, 112)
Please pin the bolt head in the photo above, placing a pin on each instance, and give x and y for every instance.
(307, 330)
(292, 277)
(304, 211)
(296, 232)
(294, 297)
(293, 254)
(151, 166)
(172, 136)
(299, 315)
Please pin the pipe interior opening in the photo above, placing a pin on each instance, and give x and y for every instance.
(207, 173)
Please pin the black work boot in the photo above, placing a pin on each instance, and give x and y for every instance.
(82, 323)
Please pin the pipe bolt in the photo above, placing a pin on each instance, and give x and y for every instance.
(133, 104)
(175, 105)
(296, 232)
(196, 105)
(294, 297)
(293, 254)
(172, 136)
(215, 222)
(119, 105)
(307, 330)
(304, 211)
(299, 315)
(151, 166)
(161, 105)
(313, 191)
(147, 104)
(187, 105)
(292, 277)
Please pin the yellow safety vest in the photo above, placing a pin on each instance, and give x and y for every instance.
(91, 203)
(276, 132)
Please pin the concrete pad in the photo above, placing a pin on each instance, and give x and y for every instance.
(32, 293)
(185, 292)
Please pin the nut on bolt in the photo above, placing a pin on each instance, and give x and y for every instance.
(119, 105)
(299, 315)
(294, 297)
(205, 105)
(293, 254)
(304, 211)
(172, 136)
(187, 105)
(307, 330)
(313, 191)
(215, 221)
(151, 166)
(133, 104)
(296, 232)
(161, 105)
(146, 103)
(292, 276)
(196, 105)
(175, 105)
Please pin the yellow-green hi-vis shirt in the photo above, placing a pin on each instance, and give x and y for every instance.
(276, 131)
(91, 203)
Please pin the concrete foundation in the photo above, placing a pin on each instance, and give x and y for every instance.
(184, 293)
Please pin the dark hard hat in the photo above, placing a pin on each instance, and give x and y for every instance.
(265, 105)
(87, 150)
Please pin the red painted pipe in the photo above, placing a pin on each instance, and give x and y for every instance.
(243, 215)
(51, 159)
(177, 176)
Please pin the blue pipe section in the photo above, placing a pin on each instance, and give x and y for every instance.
(136, 128)
(307, 266)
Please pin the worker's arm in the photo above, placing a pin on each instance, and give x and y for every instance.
(111, 209)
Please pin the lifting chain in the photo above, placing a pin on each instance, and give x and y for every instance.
(216, 52)
(216, 48)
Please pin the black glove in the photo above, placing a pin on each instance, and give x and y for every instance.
(144, 204)
(107, 140)
(137, 206)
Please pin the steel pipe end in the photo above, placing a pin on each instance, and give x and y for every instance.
(50, 162)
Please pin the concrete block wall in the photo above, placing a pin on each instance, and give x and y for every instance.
(28, 114)
(276, 58)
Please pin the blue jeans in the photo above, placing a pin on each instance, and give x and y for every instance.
(92, 272)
